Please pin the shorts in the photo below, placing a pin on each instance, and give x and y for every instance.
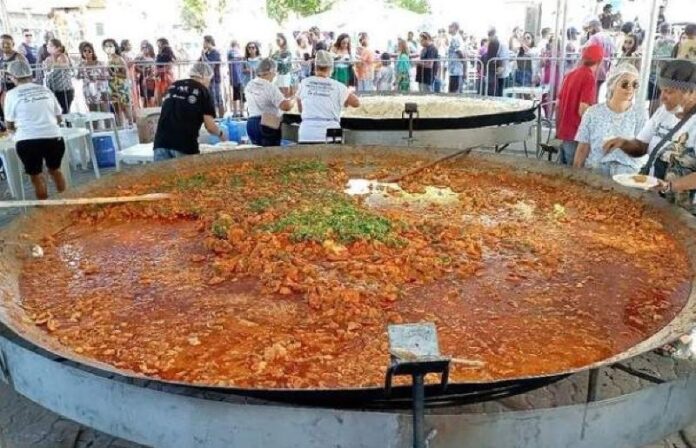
(237, 92)
(33, 153)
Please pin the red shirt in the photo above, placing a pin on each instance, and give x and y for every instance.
(579, 86)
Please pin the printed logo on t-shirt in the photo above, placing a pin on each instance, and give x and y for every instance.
(33, 95)
(662, 130)
(318, 88)
(182, 92)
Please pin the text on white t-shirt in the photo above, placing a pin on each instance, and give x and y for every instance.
(33, 110)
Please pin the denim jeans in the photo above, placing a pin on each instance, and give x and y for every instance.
(427, 88)
(365, 85)
(262, 135)
(167, 154)
(568, 148)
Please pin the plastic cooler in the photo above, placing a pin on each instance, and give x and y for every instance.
(236, 130)
(104, 149)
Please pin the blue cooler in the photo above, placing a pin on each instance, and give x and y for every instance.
(232, 134)
(104, 151)
(242, 129)
(237, 130)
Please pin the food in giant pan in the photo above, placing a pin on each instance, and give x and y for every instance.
(264, 273)
(431, 106)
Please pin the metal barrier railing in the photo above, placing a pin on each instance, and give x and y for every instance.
(122, 90)
(144, 84)
(538, 71)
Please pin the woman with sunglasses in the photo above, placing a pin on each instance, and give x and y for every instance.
(252, 58)
(94, 77)
(620, 117)
(527, 73)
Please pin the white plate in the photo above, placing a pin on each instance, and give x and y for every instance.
(630, 180)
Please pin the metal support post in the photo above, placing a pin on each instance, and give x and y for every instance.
(592, 385)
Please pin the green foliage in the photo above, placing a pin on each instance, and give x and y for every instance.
(193, 14)
(279, 10)
(339, 219)
(236, 181)
(260, 205)
(301, 167)
(195, 182)
(221, 226)
(417, 6)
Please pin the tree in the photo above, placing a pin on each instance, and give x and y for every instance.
(279, 10)
(193, 13)
(417, 6)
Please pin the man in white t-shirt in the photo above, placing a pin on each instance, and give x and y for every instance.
(320, 100)
(265, 103)
(659, 125)
(677, 161)
(33, 113)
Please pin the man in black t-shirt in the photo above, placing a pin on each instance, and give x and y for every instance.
(425, 70)
(186, 107)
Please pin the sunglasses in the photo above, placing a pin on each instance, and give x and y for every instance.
(28, 35)
(625, 85)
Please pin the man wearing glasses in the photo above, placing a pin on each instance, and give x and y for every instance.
(28, 49)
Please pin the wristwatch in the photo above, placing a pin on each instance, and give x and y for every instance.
(667, 188)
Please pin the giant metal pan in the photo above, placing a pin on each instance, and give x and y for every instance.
(523, 112)
(38, 223)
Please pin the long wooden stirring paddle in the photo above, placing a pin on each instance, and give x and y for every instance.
(85, 201)
(428, 165)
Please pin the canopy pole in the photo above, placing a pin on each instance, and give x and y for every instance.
(648, 46)
(564, 43)
(5, 18)
(554, 52)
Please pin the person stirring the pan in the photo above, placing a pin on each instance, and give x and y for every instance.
(33, 113)
(673, 158)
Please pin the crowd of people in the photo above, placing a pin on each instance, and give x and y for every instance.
(614, 134)
(320, 74)
(447, 61)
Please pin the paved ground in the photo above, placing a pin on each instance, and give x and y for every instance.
(24, 424)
